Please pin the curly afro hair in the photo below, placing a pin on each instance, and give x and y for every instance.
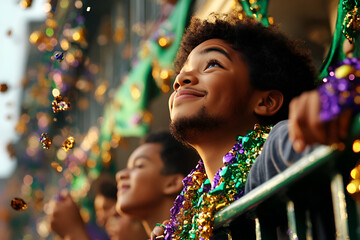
(274, 61)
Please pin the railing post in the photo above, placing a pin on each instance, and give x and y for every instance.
(339, 205)
(257, 229)
(291, 221)
(308, 224)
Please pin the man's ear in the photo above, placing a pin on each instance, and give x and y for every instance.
(173, 184)
(270, 103)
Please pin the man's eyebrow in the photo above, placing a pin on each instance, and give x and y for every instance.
(220, 50)
(141, 157)
(137, 158)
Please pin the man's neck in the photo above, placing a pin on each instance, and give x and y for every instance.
(212, 146)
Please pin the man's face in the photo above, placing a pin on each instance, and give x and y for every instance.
(214, 81)
(104, 208)
(120, 227)
(140, 184)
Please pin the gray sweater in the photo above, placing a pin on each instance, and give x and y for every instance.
(276, 156)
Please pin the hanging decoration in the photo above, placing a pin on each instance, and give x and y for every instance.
(258, 10)
(351, 22)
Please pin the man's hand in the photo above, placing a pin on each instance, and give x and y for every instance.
(306, 128)
(158, 231)
(65, 219)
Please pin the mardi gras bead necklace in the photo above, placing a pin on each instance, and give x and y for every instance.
(192, 215)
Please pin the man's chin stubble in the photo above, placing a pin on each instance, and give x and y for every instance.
(187, 129)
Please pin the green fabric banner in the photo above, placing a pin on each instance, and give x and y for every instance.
(135, 93)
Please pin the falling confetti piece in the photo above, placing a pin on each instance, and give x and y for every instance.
(56, 166)
(59, 56)
(60, 105)
(3, 87)
(69, 143)
(88, 9)
(45, 141)
(11, 150)
(18, 204)
(25, 3)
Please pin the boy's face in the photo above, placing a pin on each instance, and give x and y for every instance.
(140, 184)
(104, 208)
(120, 227)
(214, 81)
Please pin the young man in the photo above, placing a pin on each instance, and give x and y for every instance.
(146, 191)
(234, 75)
(105, 198)
(116, 226)
(153, 178)
(67, 222)
(120, 227)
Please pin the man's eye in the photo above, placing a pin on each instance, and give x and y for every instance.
(212, 63)
(138, 166)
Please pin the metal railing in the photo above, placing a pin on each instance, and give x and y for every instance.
(306, 201)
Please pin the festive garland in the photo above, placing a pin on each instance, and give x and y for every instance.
(192, 215)
(351, 22)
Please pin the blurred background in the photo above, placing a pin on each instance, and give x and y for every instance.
(105, 67)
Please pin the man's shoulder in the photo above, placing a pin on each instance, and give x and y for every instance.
(281, 128)
(280, 125)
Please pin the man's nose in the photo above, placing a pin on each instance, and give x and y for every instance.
(185, 78)
(122, 174)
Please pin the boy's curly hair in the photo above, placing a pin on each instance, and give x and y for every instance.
(274, 61)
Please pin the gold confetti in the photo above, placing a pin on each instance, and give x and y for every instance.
(25, 3)
(11, 150)
(60, 105)
(68, 143)
(3, 87)
(18, 204)
(45, 141)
